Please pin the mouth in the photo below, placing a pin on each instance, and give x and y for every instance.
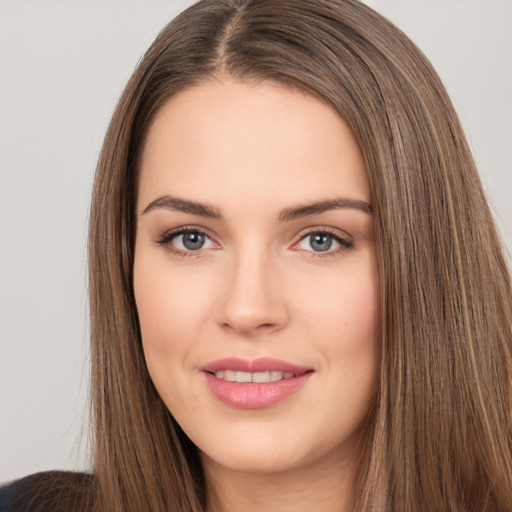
(254, 384)
(257, 377)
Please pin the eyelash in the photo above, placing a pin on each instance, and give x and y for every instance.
(166, 238)
(345, 244)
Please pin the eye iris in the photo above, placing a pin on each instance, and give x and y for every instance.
(193, 241)
(321, 242)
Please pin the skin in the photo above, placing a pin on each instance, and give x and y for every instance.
(259, 287)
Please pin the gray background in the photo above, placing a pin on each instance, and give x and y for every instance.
(62, 67)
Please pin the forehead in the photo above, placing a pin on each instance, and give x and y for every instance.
(224, 139)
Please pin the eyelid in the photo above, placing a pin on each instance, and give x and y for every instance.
(324, 229)
(343, 238)
(164, 240)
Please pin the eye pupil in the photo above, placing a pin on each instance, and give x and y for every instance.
(321, 242)
(193, 241)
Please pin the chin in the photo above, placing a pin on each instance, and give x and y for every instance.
(272, 449)
(255, 460)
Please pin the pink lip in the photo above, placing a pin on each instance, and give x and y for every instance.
(254, 395)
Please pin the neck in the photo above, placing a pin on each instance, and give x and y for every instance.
(324, 486)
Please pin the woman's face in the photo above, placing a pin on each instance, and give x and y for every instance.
(255, 275)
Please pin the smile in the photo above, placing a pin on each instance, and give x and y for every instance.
(258, 377)
(254, 384)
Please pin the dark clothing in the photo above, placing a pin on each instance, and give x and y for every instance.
(50, 491)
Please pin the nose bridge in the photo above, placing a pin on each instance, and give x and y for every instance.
(252, 298)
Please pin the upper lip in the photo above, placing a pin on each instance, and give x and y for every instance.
(261, 364)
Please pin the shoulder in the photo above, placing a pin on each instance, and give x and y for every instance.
(55, 491)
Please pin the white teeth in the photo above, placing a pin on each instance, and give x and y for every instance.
(261, 377)
(276, 376)
(243, 377)
(258, 377)
(230, 375)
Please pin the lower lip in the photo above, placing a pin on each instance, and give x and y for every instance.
(252, 395)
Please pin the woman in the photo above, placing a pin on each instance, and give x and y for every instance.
(298, 296)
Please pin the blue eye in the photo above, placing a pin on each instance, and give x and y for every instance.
(323, 242)
(186, 241)
(320, 242)
(192, 241)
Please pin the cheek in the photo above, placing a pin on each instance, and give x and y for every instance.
(170, 309)
(341, 319)
(343, 305)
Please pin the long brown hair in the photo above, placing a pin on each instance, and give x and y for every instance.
(440, 432)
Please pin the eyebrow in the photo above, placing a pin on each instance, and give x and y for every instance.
(287, 214)
(296, 212)
(183, 205)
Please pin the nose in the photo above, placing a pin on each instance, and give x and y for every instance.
(253, 300)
